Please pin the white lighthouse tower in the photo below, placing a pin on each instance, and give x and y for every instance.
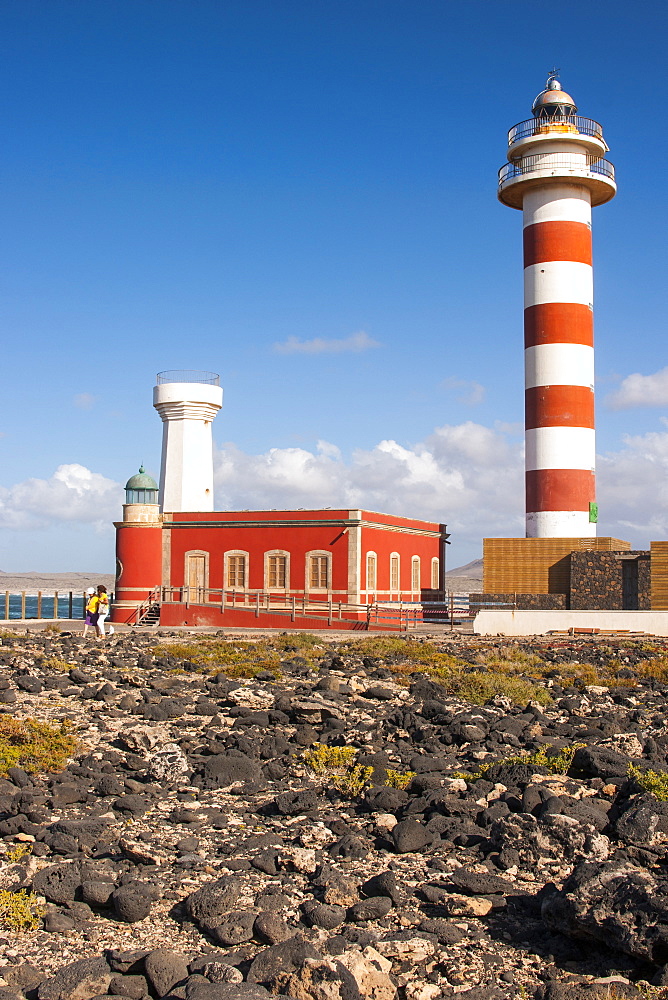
(555, 174)
(187, 401)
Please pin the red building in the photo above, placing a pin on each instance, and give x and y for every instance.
(182, 561)
(230, 567)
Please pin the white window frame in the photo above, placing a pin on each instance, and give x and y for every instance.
(371, 555)
(415, 561)
(226, 582)
(435, 572)
(397, 589)
(277, 552)
(318, 554)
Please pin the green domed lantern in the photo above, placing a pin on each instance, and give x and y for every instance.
(141, 488)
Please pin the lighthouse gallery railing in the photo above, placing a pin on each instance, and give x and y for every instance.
(557, 124)
(558, 162)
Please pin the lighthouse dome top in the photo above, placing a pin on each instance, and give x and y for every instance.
(553, 101)
(141, 481)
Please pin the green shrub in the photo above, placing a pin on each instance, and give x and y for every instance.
(459, 678)
(398, 779)
(554, 761)
(354, 781)
(55, 663)
(34, 746)
(323, 759)
(19, 911)
(18, 852)
(235, 659)
(654, 782)
(350, 779)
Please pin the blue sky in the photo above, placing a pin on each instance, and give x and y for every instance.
(301, 196)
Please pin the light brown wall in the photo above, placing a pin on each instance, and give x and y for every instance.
(535, 565)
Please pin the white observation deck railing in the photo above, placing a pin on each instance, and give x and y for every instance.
(558, 124)
(558, 162)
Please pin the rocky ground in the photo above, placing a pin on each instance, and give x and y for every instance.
(337, 827)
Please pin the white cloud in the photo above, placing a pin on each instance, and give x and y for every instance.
(467, 475)
(470, 393)
(640, 390)
(355, 343)
(84, 400)
(632, 485)
(73, 493)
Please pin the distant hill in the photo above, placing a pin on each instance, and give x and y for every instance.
(471, 569)
(48, 583)
(465, 579)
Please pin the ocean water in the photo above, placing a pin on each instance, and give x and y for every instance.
(47, 606)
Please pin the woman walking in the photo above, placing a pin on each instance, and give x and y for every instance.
(91, 610)
(102, 610)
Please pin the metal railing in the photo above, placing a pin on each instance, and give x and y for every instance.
(441, 607)
(144, 609)
(208, 378)
(557, 125)
(400, 615)
(559, 162)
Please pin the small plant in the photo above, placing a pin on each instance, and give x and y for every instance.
(53, 629)
(349, 778)
(234, 659)
(34, 746)
(20, 911)
(354, 781)
(555, 762)
(55, 663)
(458, 676)
(654, 782)
(323, 759)
(18, 852)
(298, 641)
(398, 779)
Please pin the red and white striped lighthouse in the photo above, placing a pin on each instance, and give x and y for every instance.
(555, 174)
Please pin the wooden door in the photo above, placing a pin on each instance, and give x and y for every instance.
(629, 584)
(196, 578)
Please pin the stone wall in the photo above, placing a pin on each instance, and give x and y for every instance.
(523, 602)
(610, 581)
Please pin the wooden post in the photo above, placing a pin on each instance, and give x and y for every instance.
(69, 610)
(329, 616)
(55, 605)
(452, 611)
(294, 607)
(257, 604)
(39, 603)
(23, 604)
(7, 605)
